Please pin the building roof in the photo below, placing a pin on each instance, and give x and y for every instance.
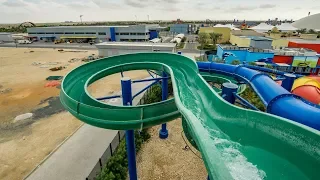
(260, 63)
(259, 38)
(282, 64)
(262, 27)
(136, 44)
(305, 41)
(78, 27)
(309, 22)
(231, 26)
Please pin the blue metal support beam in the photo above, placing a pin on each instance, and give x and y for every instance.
(150, 73)
(163, 134)
(146, 80)
(154, 73)
(108, 97)
(245, 102)
(131, 151)
(147, 87)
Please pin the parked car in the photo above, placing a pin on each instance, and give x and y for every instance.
(24, 42)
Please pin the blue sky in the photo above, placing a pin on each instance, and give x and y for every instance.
(15, 11)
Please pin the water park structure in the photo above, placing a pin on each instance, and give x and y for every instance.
(235, 143)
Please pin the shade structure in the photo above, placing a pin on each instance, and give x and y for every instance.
(262, 27)
(286, 27)
(309, 22)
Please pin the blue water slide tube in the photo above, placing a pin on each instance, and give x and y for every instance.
(278, 101)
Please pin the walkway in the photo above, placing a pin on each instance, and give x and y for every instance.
(76, 158)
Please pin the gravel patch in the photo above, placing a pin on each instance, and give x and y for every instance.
(169, 159)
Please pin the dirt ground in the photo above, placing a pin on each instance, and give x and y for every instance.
(168, 159)
(24, 144)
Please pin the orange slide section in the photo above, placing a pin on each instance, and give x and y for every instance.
(308, 87)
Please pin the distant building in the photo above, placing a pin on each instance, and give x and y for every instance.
(6, 37)
(260, 42)
(293, 60)
(117, 48)
(230, 53)
(140, 33)
(225, 31)
(183, 28)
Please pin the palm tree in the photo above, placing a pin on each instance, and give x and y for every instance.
(215, 37)
(203, 39)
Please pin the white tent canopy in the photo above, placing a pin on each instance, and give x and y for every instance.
(227, 25)
(286, 27)
(262, 27)
(309, 22)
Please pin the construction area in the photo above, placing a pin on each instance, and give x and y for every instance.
(32, 120)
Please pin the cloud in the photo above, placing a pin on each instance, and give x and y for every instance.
(152, 3)
(14, 3)
(135, 4)
(267, 6)
(240, 8)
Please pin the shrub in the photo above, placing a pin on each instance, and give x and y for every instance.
(253, 98)
(117, 166)
(235, 62)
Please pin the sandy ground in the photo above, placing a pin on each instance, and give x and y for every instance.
(24, 144)
(167, 159)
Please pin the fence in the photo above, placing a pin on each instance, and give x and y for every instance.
(113, 145)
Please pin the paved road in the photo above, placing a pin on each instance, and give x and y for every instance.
(50, 45)
(76, 158)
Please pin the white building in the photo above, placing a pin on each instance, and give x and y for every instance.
(6, 37)
(95, 33)
(107, 49)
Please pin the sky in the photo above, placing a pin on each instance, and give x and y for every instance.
(40, 11)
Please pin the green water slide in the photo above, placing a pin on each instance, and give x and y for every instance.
(235, 143)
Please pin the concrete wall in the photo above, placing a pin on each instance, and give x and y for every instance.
(246, 33)
(6, 37)
(221, 30)
(239, 41)
(112, 51)
(309, 36)
(277, 43)
(275, 35)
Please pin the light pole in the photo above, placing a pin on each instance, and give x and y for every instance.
(81, 18)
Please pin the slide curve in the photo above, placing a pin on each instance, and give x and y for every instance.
(277, 100)
(235, 143)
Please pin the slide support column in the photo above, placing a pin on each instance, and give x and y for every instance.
(163, 134)
(131, 150)
(288, 82)
(227, 92)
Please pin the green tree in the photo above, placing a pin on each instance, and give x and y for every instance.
(235, 62)
(215, 37)
(203, 39)
(302, 31)
(269, 66)
(312, 31)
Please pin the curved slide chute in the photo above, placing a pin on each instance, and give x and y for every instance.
(235, 143)
(277, 100)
